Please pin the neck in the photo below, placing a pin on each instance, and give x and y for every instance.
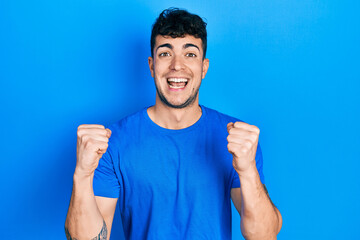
(174, 118)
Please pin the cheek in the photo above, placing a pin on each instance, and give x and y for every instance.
(195, 67)
(160, 69)
(199, 71)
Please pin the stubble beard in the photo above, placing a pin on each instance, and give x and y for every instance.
(190, 101)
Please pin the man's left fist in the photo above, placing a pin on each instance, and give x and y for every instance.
(242, 144)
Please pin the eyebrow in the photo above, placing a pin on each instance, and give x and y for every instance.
(168, 45)
(191, 45)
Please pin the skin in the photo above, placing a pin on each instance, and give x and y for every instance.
(181, 58)
(260, 219)
(173, 109)
(87, 213)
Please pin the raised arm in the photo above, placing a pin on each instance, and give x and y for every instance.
(89, 217)
(260, 219)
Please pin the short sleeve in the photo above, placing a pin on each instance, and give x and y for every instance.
(106, 183)
(259, 165)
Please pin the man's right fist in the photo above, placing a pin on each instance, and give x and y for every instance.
(92, 143)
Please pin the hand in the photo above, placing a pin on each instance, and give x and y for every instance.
(242, 144)
(92, 143)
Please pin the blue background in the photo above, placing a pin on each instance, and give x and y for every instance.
(289, 67)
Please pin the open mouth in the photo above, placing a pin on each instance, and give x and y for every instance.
(177, 83)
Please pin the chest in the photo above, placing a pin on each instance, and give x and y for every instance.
(175, 164)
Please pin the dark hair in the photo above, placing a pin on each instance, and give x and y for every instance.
(175, 23)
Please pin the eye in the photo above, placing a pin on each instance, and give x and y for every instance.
(164, 54)
(192, 55)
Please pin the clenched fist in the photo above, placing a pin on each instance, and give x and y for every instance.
(242, 144)
(92, 143)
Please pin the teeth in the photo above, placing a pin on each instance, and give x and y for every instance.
(175, 87)
(177, 80)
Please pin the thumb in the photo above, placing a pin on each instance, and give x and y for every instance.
(108, 133)
(230, 125)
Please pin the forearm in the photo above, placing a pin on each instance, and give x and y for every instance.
(259, 217)
(84, 220)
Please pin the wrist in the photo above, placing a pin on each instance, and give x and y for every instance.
(250, 173)
(82, 176)
(82, 182)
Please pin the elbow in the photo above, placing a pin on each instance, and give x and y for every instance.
(278, 220)
(257, 234)
(258, 229)
(66, 230)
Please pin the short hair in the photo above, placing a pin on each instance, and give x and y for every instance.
(175, 22)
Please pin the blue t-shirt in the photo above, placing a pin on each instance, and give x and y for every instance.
(171, 184)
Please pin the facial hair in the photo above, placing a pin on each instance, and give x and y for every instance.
(187, 103)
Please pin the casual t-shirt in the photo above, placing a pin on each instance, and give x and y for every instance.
(171, 184)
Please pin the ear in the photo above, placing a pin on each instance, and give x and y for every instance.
(205, 67)
(151, 65)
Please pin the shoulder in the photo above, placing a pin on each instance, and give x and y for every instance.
(127, 124)
(130, 119)
(215, 115)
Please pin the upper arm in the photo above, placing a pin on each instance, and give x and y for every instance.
(107, 209)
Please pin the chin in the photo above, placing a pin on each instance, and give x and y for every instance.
(180, 105)
(177, 102)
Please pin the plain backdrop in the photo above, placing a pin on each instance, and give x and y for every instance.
(290, 67)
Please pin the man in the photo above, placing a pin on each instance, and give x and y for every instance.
(174, 166)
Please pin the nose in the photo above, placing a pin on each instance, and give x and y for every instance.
(177, 63)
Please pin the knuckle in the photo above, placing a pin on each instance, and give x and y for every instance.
(249, 143)
(254, 134)
(85, 138)
(243, 149)
(237, 124)
(80, 132)
(91, 144)
(231, 131)
(256, 129)
(87, 144)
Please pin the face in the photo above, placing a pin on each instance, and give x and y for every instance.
(178, 68)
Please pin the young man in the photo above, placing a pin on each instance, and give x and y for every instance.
(174, 166)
